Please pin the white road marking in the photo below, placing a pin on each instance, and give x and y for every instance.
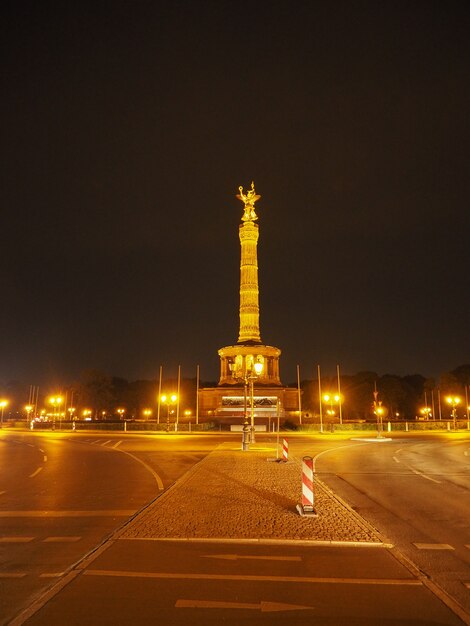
(41, 450)
(51, 575)
(2, 492)
(418, 473)
(467, 585)
(17, 575)
(109, 513)
(96, 441)
(264, 607)
(235, 557)
(147, 467)
(105, 443)
(467, 545)
(289, 579)
(44, 458)
(398, 451)
(36, 472)
(61, 539)
(395, 459)
(14, 539)
(433, 546)
(117, 444)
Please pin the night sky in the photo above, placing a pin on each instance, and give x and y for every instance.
(127, 128)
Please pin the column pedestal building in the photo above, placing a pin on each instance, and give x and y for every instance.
(237, 362)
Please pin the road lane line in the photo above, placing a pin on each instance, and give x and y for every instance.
(263, 606)
(61, 539)
(15, 539)
(467, 545)
(117, 444)
(433, 546)
(105, 443)
(51, 575)
(36, 472)
(395, 459)
(2, 492)
(109, 513)
(154, 474)
(418, 473)
(467, 585)
(408, 582)
(235, 557)
(44, 458)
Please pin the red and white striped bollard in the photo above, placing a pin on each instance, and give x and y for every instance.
(285, 450)
(306, 508)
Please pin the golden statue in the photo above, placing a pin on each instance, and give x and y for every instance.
(249, 200)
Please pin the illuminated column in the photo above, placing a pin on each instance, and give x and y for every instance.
(249, 291)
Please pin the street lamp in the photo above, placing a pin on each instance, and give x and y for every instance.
(331, 399)
(169, 401)
(426, 411)
(28, 408)
(454, 401)
(56, 401)
(120, 412)
(86, 414)
(3, 404)
(254, 375)
(147, 413)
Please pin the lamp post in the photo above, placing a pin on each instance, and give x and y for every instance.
(454, 401)
(331, 399)
(3, 404)
(28, 408)
(254, 375)
(426, 411)
(56, 401)
(169, 401)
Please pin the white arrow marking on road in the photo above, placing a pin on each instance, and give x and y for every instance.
(264, 607)
(234, 557)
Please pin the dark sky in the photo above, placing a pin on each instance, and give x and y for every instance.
(127, 128)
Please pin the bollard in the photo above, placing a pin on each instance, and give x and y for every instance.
(306, 508)
(125, 426)
(406, 426)
(246, 436)
(448, 425)
(285, 450)
(389, 427)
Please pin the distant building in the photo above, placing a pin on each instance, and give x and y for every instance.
(249, 361)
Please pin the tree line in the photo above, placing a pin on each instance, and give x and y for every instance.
(402, 396)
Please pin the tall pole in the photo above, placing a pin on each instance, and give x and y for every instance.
(178, 398)
(298, 392)
(432, 403)
(339, 397)
(159, 394)
(197, 394)
(466, 404)
(439, 403)
(319, 399)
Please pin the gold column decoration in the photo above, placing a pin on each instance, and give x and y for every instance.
(249, 290)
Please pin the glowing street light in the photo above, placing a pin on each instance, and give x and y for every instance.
(169, 401)
(56, 401)
(28, 408)
(3, 404)
(331, 399)
(426, 411)
(120, 412)
(147, 413)
(454, 401)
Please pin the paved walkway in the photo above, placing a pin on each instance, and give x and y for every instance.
(241, 495)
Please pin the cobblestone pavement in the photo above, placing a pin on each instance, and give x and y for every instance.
(241, 495)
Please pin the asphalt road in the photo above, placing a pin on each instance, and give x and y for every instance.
(62, 494)
(414, 490)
